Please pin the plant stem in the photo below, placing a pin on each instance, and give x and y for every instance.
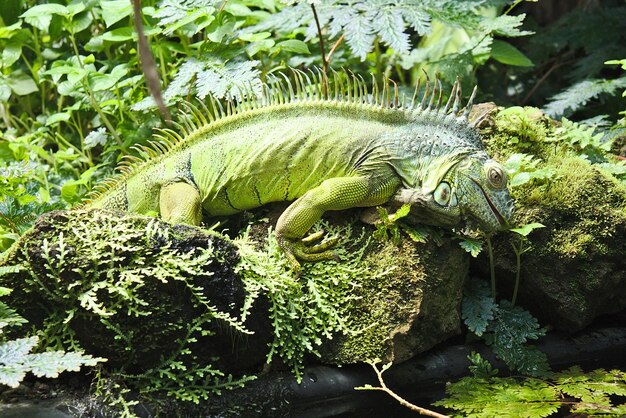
(332, 50)
(383, 388)
(324, 62)
(518, 256)
(492, 267)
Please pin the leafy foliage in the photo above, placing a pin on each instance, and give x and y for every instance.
(504, 327)
(17, 358)
(303, 315)
(523, 168)
(583, 393)
(575, 97)
(387, 227)
(477, 308)
(76, 275)
(471, 245)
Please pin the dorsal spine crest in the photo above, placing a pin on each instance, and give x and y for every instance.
(343, 89)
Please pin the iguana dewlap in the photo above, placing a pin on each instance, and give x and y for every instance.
(352, 150)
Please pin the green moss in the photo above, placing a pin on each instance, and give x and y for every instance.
(148, 296)
(408, 310)
(583, 205)
(519, 130)
(574, 268)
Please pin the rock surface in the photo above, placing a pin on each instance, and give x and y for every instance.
(575, 267)
(131, 288)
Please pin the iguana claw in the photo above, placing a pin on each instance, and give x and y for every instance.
(303, 249)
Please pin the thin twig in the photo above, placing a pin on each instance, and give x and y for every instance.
(383, 388)
(148, 65)
(543, 78)
(332, 50)
(324, 62)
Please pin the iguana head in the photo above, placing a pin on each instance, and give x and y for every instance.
(473, 189)
(476, 188)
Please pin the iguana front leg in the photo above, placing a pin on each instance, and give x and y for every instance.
(180, 203)
(333, 194)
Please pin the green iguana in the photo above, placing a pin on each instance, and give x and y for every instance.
(354, 149)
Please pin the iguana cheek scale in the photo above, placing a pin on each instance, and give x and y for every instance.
(351, 150)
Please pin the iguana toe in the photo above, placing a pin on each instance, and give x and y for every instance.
(296, 250)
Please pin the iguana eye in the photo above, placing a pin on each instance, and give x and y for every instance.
(496, 177)
(442, 194)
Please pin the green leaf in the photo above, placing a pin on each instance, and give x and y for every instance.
(40, 16)
(5, 91)
(58, 117)
(100, 82)
(115, 10)
(472, 246)
(80, 22)
(401, 212)
(477, 307)
(12, 352)
(294, 45)
(11, 53)
(506, 53)
(501, 397)
(51, 363)
(118, 35)
(520, 178)
(527, 229)
(22, 84)
(417, 233)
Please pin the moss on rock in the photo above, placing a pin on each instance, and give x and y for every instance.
(413, 307)
(575, 269)
(153, 297)
(133, 289)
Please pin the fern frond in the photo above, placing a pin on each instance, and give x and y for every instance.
(174, 14)
(210, 76)
(579, 94)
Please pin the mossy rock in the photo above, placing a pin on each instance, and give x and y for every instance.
(575, 267)
(409, 310)
(129, 288)
(141, 292)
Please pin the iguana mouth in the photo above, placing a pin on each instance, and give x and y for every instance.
(493, 208)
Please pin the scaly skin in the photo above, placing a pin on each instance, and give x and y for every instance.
(325, 155)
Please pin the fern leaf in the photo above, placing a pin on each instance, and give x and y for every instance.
(360, 35)
(501, 397)
(51, 363)
(505, 25)
(390, 28)
(579, 94)
(211, 76)
(417, 18)
(477, 307)
(594, 387)
(9, 316)
(514, 326)
(16, 360)
(176, 13)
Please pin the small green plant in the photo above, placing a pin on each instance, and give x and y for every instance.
(524, 168)
(388, 227)
(303, 312)
(520, 248)
(485, 395)
(17, 358)
(505, 328)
